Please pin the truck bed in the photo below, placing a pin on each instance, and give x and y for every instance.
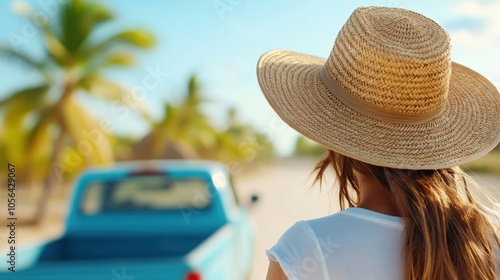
(72, 248)
(209, 256)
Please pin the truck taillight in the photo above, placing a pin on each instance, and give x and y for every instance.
(193, 275)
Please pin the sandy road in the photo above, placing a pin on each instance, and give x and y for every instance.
(284, 198)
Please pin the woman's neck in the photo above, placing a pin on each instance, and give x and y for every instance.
(374, 196)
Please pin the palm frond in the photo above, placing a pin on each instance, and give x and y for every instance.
(119, 58)
(20, 106)
(25, 100)
(9, 53)
(78, 19)
(131, 37)
(96, 63)
(104, 89)
(56, 50)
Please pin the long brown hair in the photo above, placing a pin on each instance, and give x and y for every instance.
(446, 234)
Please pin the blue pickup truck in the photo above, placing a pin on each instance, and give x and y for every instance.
(146, 220)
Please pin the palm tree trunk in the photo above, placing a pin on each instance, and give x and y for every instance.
(50, 180)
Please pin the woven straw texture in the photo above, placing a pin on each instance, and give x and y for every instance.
(399, 61)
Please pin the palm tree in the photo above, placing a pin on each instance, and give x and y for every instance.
(184, 131)
(51, 122)
(241, 143)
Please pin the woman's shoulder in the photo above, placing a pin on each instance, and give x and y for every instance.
(355, 216)
(305, 229)
(299, 231)
(297, 251)
(351, 218)
(311, 234)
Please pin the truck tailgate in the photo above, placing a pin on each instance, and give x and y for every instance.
(218, 257)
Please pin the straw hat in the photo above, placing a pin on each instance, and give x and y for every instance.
(388, 94)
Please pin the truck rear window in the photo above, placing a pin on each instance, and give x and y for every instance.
(140, 193)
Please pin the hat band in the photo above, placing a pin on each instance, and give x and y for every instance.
(368, 109)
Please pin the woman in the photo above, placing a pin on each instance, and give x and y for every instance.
(397, 117)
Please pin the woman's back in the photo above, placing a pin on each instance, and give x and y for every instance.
(352, 244)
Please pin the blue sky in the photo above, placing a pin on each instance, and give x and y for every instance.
(220, 41)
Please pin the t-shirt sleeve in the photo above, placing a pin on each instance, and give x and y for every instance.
(298, 253)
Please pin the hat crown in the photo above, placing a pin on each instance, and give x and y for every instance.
(394, 59)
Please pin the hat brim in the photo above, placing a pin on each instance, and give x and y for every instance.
(467, 129)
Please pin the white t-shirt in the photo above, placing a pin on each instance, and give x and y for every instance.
(352, 244)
